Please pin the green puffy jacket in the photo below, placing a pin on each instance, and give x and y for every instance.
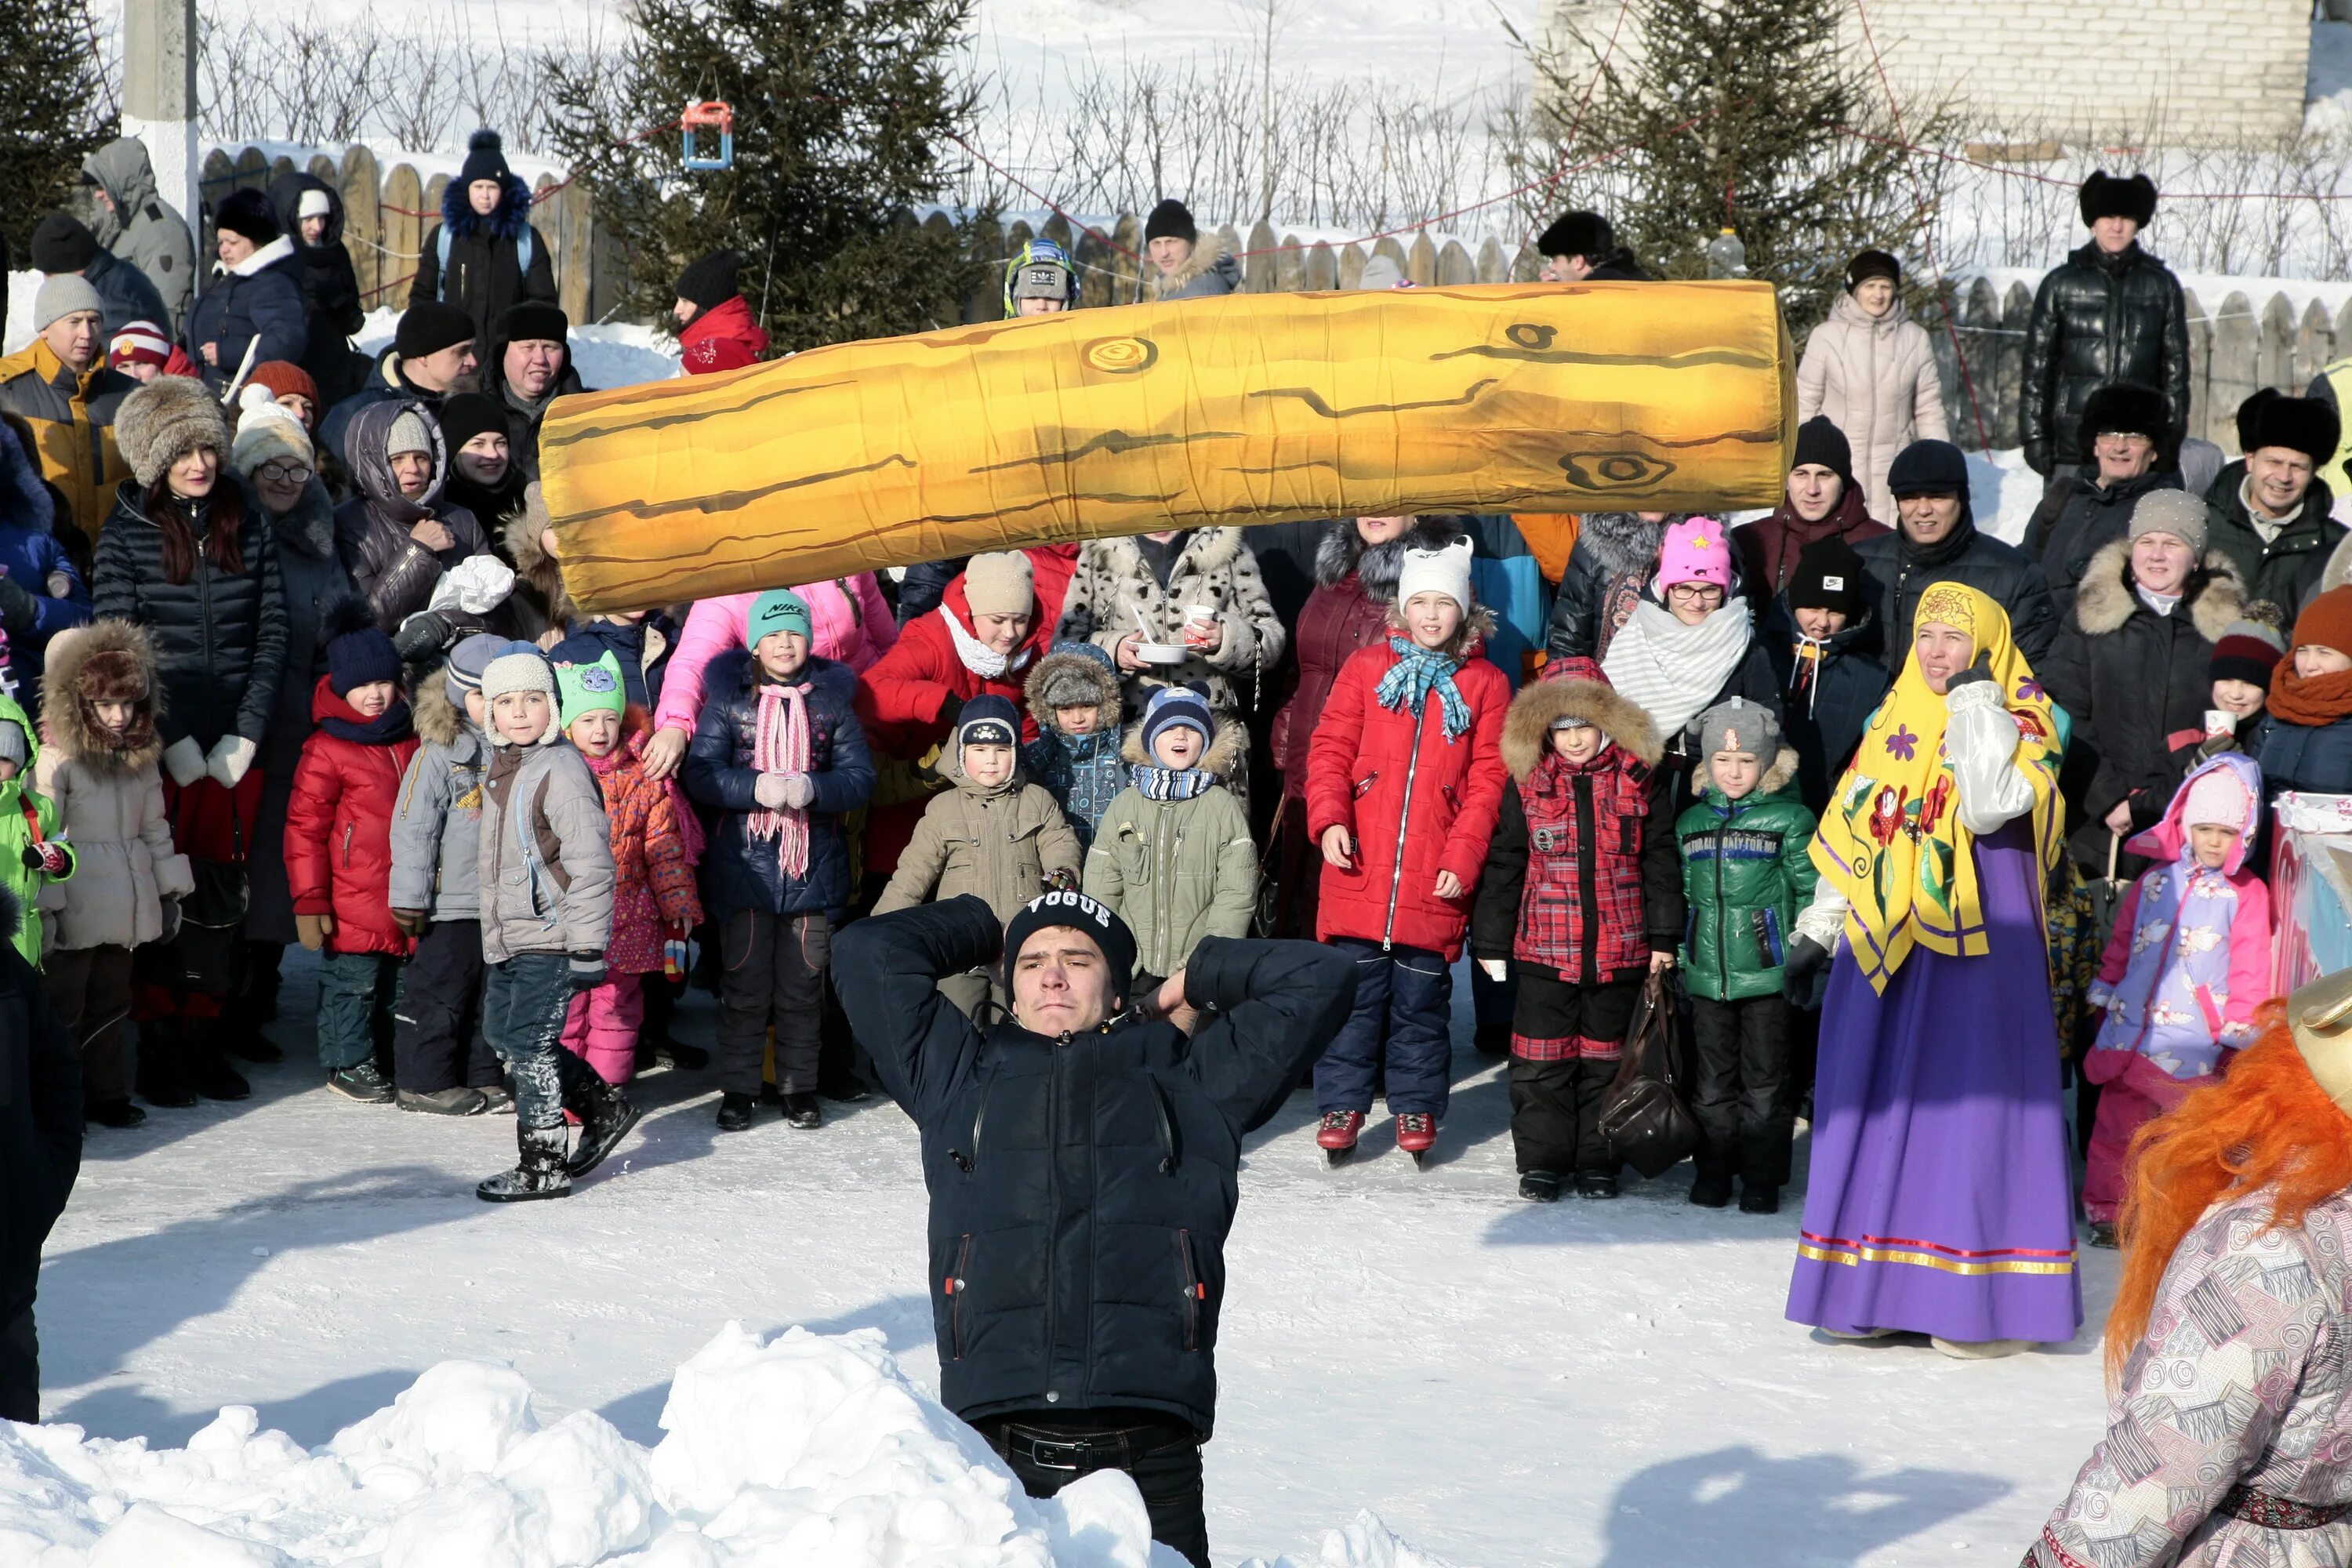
(1747, 874)
(1177, 870)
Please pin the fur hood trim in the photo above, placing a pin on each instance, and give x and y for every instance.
(261, 261)
(1377, 567)
(438, 721)
(1083, 666)
(1776, 777)
(535, 567)
(1207, 252)
(1619, 542)
(506, 220)
(1227, 756)
(1527, 728)
(2104, 600)
(68, 724)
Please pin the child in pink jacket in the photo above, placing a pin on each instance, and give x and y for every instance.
(2188, 964)
(851, 624)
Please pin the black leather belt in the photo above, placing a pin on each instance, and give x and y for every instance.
(1084, 1453)
(2278, 1512)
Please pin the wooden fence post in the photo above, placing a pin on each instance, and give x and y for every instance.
(1129, 232)
(2236, 361)
(1258, 267)
(1322, 268)
(1289, 266)
(1493, 267)
(1421, 260)
(363, 221)
(404, 233)
(2314, 346)
(2016, 315)
(1351, 266)
(2200, 363)
(2277, 365)
(1455, 266)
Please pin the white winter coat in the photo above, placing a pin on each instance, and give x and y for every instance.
(1876, 380)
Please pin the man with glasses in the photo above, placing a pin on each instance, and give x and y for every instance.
(1937, 541)
(2090, 506)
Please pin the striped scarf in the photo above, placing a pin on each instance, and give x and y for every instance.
(779, 744)
(1155, 783)
(1417, 671)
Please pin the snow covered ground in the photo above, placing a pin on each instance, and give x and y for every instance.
(1504, 1384)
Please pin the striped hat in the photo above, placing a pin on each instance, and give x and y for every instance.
(138, 342)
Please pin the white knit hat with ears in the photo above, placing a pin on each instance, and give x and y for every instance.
(526, 669)
(1445, 571)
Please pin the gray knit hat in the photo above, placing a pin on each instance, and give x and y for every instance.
(62, 296)
(469, 661)
(15, 746)
(2176, 512)
(1739, 725)
(164, 421)
(409, 433)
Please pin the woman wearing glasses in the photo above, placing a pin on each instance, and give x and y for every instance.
(274, 456)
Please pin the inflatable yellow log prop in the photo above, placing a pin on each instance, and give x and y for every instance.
(1252, 409)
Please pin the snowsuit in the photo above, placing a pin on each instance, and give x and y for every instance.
(435, 836)
(1176, 869)
(72, 420)
(653, 895)
(483, 275)
(332, 307)
(1121, 583)
(1876, 378)
(724, 337)
(1417, 803)
(775, 929)
(1747, 874)
(256, 303)
(1580, 888)
(143, 229)
(1081, 772)
(2099, 319)
(396, 573)
(109, 795)
(28, 819)
(40, 1155)
(30, 553)
(2187, 965)
(338, 847)
(1077, 1261)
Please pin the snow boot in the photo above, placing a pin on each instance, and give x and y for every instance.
(1981, 1350)
(736, 1111)
(1757, 1198)
(209, 1073)
(460, 1102)
(1416, 1133)
(539, 1174)
(362, 1083)
(606, 1114)
(1540, 1186)
(1710, 1191)
(114, 1113)
(163, 1077)
(1336, 1136)
(801, 1110)
(1596, 1184)
(497, 1100)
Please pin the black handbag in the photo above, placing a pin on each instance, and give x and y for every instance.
(207, 954)
(1645, 1117)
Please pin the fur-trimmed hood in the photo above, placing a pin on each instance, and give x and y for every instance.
(1776, 777)
(439, 721)
(535, 569)
(1081, 664)
(1527, 728)
(1619, 542)
(1226, 756)
(506, 220)
(124, 661)
(2104, 599)
(1376, 567)
(1209, 254)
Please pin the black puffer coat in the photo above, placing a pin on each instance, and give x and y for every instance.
(313, 580)
(2076, 519)
(256, 303)
(1082, 1187)
(2129, 678)
(486, 275)
(1899, 572)
(1823, 717)
(2099, 319)
(330, 294)
(220, 639)
(1616, 556)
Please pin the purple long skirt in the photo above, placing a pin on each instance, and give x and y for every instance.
(1940, 1198)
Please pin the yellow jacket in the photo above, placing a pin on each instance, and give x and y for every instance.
(72, 420)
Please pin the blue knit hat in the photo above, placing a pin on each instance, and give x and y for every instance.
(1178, 708)
(988, 720)
(357, 652)
(467, 661)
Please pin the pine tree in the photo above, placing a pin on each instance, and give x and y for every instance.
(1747, 115)
(54, 110)
(844, 115)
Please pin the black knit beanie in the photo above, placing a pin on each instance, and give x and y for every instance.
(1170, 220)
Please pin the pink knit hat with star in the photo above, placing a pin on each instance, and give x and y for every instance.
(1695, 551)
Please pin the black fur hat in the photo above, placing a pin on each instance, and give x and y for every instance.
(2306, 424)
(1578, 234)
(2121, 408)
(2111, 196)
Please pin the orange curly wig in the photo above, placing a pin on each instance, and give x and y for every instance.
(2267, 1125)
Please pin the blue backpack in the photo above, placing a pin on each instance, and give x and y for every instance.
(523, 259)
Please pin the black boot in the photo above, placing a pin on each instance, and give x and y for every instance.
(1710, 1190)
(209, 1073)
(1540, 1186)
(1755, 1197)
(539, 1174)
(606, 1115)
(1599, 1185)
(163, 1077)
(114, 1113)
(735, 1111)
(801, 1110)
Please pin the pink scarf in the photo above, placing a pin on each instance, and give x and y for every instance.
(780, 745)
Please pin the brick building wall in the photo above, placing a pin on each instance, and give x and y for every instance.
(2171, 72)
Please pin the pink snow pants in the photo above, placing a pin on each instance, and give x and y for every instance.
(601, 1028)
(2133, 1092)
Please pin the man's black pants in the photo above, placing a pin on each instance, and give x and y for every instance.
(1161, 1453)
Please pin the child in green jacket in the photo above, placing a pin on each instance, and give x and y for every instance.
(1172, 854)
(31, 854)
(1747, 872)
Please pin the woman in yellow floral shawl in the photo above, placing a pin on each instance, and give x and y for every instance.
(1941, 1197)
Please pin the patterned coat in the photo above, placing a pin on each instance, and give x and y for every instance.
(1114, 585)
(2242, 1382)
(653, 878)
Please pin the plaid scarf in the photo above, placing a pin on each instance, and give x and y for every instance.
(1418, 671)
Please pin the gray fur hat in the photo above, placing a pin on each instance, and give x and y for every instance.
(1739, 725)
(164, 421)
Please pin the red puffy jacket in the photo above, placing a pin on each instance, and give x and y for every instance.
(1418, 804)
(724, 337)
(338, 830)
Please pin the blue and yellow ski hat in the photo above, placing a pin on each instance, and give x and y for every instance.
(1040, 270)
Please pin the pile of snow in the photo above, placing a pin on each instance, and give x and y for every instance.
(802, 1449)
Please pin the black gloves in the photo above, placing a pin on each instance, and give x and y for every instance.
(1980, 670)
(18, 609)
(1803, 969)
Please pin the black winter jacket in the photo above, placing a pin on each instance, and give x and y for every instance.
(1823, 717)
(2129, 678)
(2289, 569)
(258, 301)
(40, 1122)
(739, 871)
(2099, 319)
(485, 277)
(2315, 759)
(387, 564)
(2076, 519)
(220, 640)
(524, 417)
(1899, 574)
(332, 307)
(128, 294)
(1082, 1187)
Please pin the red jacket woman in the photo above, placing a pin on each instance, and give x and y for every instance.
(338, 822)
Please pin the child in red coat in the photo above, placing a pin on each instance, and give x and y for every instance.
(654, 900)
(339, 848)
(1404, 779)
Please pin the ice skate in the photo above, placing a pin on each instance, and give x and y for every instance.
(1416, 1134)
(1336, 1136)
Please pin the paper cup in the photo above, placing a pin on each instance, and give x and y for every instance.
(2218, 722)
(1200, 624)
